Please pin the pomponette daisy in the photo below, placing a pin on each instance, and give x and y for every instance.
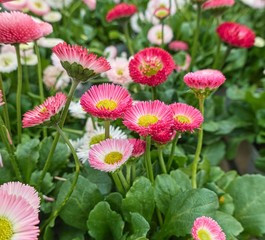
(207, 228)
(186, 117)
(110, 154)
(18, 219)
(151, 66)
(139, 147)
(217, 4)
(44, 112)
(235, 34)
(79, 63)
(147, 117)
(122, 10)
(107, 101)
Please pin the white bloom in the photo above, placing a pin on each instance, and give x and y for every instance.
(48, 42)
(59, 4)
(76, 110)
(97, 136)
(135, 21)
(38, 7)
(29, 59)
(155, 34)
(8, 62)
(52, 16)
(255, 3)
(56, 62)
(110, 52)
(1, 161)
(259, 42)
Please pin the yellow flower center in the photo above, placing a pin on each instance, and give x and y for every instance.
(159, 35)
(147, 120)
(151, 67)
(182, 119)
(120, 72)
(113, 157)
(97, 139)
(107, 104)
(43, 110)
(38, 5)
(6, 229)
(204, 235)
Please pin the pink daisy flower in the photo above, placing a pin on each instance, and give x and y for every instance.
(186, 117)
(44, 112)
(204, 79)
(3, 1)
(27, 192)
(17, 27)
(217, 4)
(18, 219)
(1, 98)
(91, 4)
(79, 63)
(139, 147)
(162, 12)
(110, 154)
(38, 7)
(184, 65)
(121, 10)
(178, 46)
(151, 66)
(147, 117)
(236, 34)
(13, 5)
(107, 101)
(163, 136)
(207, 228)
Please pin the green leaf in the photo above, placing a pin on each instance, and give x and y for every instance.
(103, 223)
(27, 155)
(248, 193)
(226, 204)
(47, 183)
(69, 233)
(214, 153)
(184, 209)
(115, 201)
(229, 224)
(140, 198)
(84, 197)
(182, 179)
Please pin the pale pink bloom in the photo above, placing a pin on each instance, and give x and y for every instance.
(136, 21)
(202, 79)
(50, 43)
(162, 12)
(91, 4)
(255, 3)
(107, 101)
(119, 72)
(46, 28)
(216, 4)
(56, 61)
(148, 117)
(184, 66)
(1, 98)
(186, 117)
(52, 17)
(17, 217)
(44, 112)
(17, 5)
(17, 27)
(38, 7)
(178, 46)
(3, 1)
(48, 199)
(154, 34)
(8, 48)
(207, 228)
(139, 147)
(110, 154)
(27, 192)
(110, 52)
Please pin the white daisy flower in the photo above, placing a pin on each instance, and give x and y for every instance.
(48, 42)
(52, 16)
(8, 62)
(76, 110)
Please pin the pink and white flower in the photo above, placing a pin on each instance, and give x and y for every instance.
(259, 4)
(154, 34)
(178, 46)
(217, 4)
(38, 7)
(17, 5)
(110, 154)
(91, 4)
(139, 147)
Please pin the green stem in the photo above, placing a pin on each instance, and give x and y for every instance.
(41, 91)
(196, 36)
(127, 37)
(154, 93)
(161, 159)
(162, 33)
(199, 147)
(77, 170)
(123, 180)
(117, 182)
(148, 159)
(5, 108)
(57, 136)
(70, 130)
(128, 173)
(228, 50)
(10, 149)
(133, 172)
(173, 147)
(107, 129)
(18, 96)
(159, 217)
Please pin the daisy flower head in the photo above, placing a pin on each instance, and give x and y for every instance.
(43, 113)
(154, 34)
(151, 66)
(162, 12)
(18, 219)
(18, 27)
(79, 63)
(8, 62)
(52, 16)
(258, 4)
(27, 192)
(235, 34)
(186, 117)
(76, 110)
(95, 137)
(107, 101)
(92, 4)
(204, 81)
(12, 5)
(164, 136)
(121, 10)
(207, 228)
(148, 116)
(1, 98)
(139, 147)
(110, 154)
(38, 7)
(178, 46)
(218, 5)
